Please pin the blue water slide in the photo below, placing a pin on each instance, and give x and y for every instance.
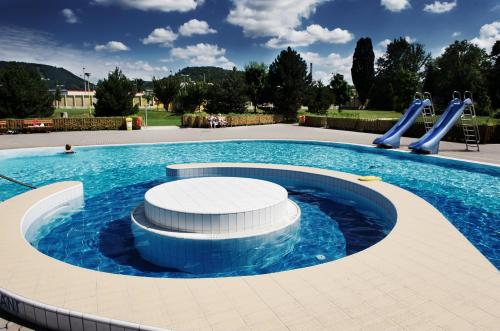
(391, 139)
(429, 143)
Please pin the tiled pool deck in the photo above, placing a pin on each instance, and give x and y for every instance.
(424, 276)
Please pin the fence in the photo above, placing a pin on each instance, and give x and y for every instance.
(201, 121)
(489, 133)
(80, 124)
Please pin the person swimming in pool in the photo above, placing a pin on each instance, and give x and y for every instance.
(68, 149)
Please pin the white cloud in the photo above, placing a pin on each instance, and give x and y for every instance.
(410, 39)
(495, 8)
(203, 55)
(456, 34)
(195, 26)
(313, 33)
(324, 67)
(69, 16)
(396, 5)
(26, 45)
(438, 7)
(263, 18)
(488, 35)
(143, 66)
(383, 44)
(163, 36)
(155, 5)
(112, 46)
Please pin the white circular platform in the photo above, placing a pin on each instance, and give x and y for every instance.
(217, 205)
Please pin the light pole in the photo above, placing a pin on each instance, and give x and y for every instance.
(149, 97)
(87, 76)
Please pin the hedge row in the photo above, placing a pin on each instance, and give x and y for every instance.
(201, 121)
(489, 133)
(80, 124)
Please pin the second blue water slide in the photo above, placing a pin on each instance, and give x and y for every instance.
(391, 139)
(429, 143)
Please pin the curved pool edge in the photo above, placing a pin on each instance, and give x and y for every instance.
(423, 251)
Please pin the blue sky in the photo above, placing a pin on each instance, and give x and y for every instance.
(155, 37)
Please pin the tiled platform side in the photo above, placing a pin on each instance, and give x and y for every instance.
(329, 181)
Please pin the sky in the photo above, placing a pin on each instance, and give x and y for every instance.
(147, 38)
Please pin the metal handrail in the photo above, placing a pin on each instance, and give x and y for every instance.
(17, 182)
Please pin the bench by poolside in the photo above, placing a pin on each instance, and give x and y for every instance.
(36, 125)
(3, 126)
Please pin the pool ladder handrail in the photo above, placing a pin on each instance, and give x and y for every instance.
(17, 182)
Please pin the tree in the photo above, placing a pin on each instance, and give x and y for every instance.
(255, 78)
(23, 93)
(140, 85)
(166, 89)
(115, 95)
(363, 71)
(228, 96)
(494, 76)
(431, 78)
(57, 95)
(340, 89)
(463, 67)
(191, 96)
(399, 75)
(288, 80)
(319, 98)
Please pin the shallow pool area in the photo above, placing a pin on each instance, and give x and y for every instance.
(116, 177)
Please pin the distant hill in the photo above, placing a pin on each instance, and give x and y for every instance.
(53, 76)
(209, 74)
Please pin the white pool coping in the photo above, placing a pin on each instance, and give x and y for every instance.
(424, 274)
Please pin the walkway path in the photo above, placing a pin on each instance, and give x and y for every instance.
(489, 153)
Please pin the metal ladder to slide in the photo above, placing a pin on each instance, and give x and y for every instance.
(469, 125)
(428, 114)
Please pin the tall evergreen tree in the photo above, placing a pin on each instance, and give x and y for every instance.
(288, 80)
(23, 93)
(115, 95)
(363, 70)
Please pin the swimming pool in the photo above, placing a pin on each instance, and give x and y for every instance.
(467, 194)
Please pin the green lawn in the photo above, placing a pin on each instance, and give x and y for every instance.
(160, 118)
(382, 114)
(155, 117)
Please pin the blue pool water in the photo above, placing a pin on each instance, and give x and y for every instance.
(116, 177)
